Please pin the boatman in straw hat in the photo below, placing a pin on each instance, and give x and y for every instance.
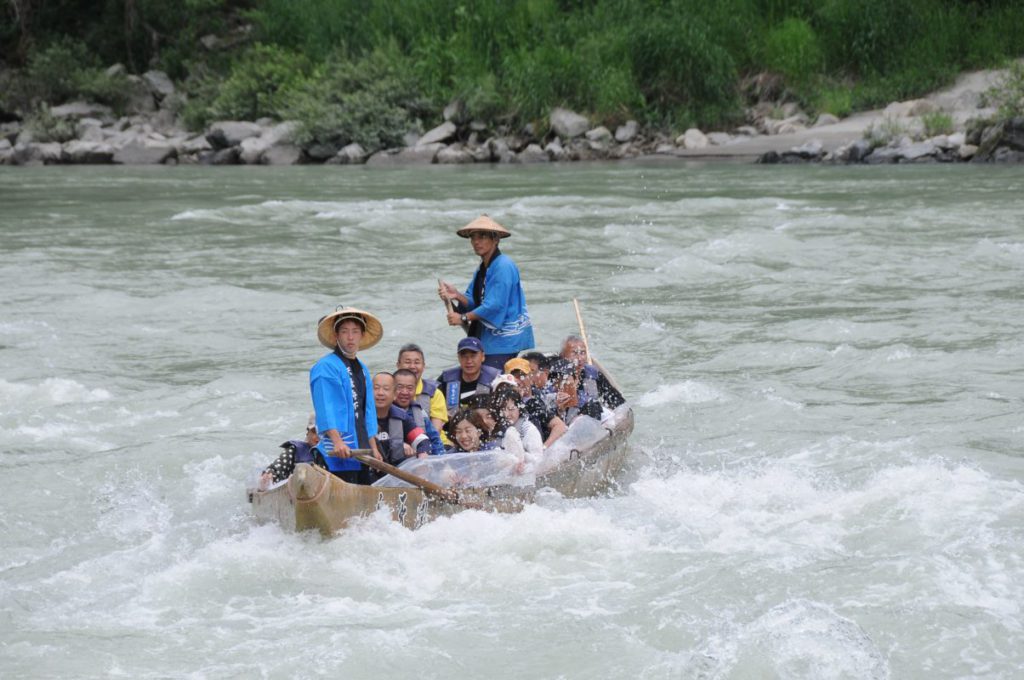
(493, 308)
(339, 383)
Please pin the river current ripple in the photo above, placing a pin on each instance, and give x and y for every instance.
(825, 478)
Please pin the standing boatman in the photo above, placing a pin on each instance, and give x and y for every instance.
(339, 383)
(493, 308)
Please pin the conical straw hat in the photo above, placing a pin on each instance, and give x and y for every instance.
(373, 330)
(484, 223)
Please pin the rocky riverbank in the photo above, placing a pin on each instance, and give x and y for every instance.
(776, 132)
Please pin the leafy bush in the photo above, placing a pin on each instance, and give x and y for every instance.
(937, 123)
(45, 127)
(1007, 95)
(260, 84)
(837, 100)
(681, 71)
(373, 101)
(792, 49)
(887, 132)
(63, 71)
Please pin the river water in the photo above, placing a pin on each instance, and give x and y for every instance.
(825, 478)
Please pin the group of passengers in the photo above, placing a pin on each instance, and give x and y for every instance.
(499, 395)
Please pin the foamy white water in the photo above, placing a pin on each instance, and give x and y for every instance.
(826, 474)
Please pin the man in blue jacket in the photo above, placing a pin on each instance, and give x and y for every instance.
(339, 383)
(493, 307)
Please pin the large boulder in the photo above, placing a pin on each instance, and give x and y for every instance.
(500, 151)
(568, 124)
(321, 153)
(600, 134)
(225, 134)
(251, 150)
(442, 133)
(812, 150)
(351, 154)
(626, 133)
(692, 139)
(90, 130)
(159, 84)
(454, 155)
(859, 150)
(139, 96)
(825, 119)
(81, 109)
(718, 138)
(882, 155)
(411, 155)
(533, 154)
(555, 150)
(144, 152)
(228, 156)
(282, 154)
(77, 151)
(1013, 134)
(196, 144)
(33, 153)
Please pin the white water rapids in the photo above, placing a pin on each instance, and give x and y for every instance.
(826, 364)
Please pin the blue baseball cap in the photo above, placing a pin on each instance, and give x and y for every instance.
(472, 344)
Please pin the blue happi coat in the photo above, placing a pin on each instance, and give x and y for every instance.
(506, 322)
(331, 389)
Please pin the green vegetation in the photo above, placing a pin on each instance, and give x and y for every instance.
(1008, 94)
(352, 70)
(885, 133)
(937, 123)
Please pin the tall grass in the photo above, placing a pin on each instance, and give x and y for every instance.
(668, 62)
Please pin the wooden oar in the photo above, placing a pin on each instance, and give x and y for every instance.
(450, 306)
(447, 495)
(591, 359)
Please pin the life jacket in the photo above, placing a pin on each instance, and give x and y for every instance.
(419, 417)
(303, 451)
(424, 397)
(452, 381)
(588, 389)
(392, 442)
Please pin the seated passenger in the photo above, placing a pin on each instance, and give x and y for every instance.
(295, 451)
(508, 402)
(405, 390)
(411, 357)
(567, 396)
(537, 408)
(590, 382)
(464, 432)
(469, 378)
(398, 437)
(539, 366)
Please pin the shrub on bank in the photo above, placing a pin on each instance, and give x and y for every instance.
(373, 101)
(261, 83)
(1007, 96)
(792, 49)
(63, 71)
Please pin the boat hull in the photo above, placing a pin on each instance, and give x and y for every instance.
(314, 499)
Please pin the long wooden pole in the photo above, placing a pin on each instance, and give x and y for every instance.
(591, 359)
(447, 495)
(583, 329)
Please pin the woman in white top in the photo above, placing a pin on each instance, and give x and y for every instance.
(510, 405)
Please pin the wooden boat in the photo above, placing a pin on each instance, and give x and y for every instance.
(312, 498)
